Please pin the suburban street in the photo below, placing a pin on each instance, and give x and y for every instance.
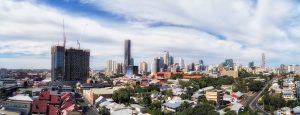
(85, 105)
(253, 104)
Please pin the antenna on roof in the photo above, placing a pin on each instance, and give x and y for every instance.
(64, 34)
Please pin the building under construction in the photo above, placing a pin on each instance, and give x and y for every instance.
(69, 64)
(77, 64)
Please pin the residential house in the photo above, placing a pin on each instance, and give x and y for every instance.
(237, 96)
(172, 105)
(207, 88)
(17, 104)
(55, 104)
(276, 88)
(296, 110)
(92, 94)
(197, 95)
(236, 107)
(288, 94)
(283, 111)
(227, 88)
(227, 98)
(288, 85)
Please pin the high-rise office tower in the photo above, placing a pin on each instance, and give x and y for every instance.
(202, 67)
(297, 68)
(192, 68)
(291, 68)
(161, 63)
(181, 63)
(251, 64)
(3, 73)
(201, 62)
(111, 67)
(143, 67)
(155, 66)
(166, 58)
(127, 54)
(57, 63)
(228, 63)
(131, 61)
(77, 64)
(131, 71)
(119, 68)
(263, 61)
(171, 60)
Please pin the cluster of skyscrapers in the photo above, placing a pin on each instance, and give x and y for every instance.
(165, 63)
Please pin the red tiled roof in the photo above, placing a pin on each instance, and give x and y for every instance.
(55, 99)
(44, 95)
(39, 106)
(279, 77)
(66, 95)
(67, 104)
(53, 110)
(68, 99)
(145, 83)
(192, 77)
(169, 72)
(69, 109)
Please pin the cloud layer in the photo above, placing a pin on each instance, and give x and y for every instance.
(211, 30)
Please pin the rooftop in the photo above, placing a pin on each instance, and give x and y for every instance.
(107, 90)
(20, 98)
(173, 104)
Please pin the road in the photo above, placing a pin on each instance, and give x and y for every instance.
(253, 104)
(85, 105)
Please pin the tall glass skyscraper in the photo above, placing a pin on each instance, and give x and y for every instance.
(228, 63)
(166, 58)
(127, 54)
(57, 63)
(155, 66)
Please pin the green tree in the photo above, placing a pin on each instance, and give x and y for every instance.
(273, 102)
(230, 113)
(255, 86)
(200, 109)
(244, 74)
(154, 108)
(248, 111)
(146, 99)
(176, 76)
(184, 106)
(121, 96)
(103, 111)
(28, 92)
(169, 93)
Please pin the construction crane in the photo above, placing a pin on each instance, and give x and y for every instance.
(78, 43)
(64, 33)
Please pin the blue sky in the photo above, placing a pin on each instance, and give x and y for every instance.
(212, 30)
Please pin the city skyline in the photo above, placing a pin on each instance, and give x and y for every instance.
(240, 30)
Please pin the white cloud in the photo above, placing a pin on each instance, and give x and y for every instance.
(249, 29)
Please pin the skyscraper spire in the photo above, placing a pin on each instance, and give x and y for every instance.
(64, 34)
